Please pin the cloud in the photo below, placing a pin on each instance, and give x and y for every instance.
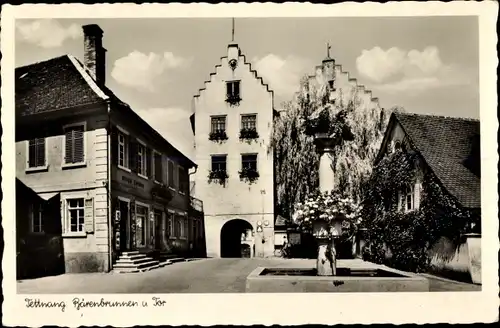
(396, 70)
(47, 33)
(173, 124)
(282, 74)
(142, 71)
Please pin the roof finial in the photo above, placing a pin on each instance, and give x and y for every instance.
(232, 35)
(328, 47)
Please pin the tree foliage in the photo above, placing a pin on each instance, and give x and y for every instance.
(404, 239)
(296, 159)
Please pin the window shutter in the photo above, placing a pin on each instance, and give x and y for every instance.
(114, 146)
(228, 88)
(89, 215)
(149, 160)
(69, 146)
(31, 153)
(418, 188)
(132, 155)
(40, 158)
(78, 145)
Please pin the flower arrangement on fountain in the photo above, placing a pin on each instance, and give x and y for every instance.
(341, 213)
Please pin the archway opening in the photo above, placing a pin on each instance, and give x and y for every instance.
(236, 236)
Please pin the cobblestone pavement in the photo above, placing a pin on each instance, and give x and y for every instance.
(199, 276)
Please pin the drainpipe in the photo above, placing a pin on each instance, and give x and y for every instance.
(108, 187)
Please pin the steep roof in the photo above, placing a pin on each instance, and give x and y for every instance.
(64, 82)
(52, 85)
(447, 144)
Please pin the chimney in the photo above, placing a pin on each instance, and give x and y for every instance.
(94, 57)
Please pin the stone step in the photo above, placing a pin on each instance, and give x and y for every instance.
(142, 265)
(132, 257)
(128, 253)
(176, 259)
(133, 261)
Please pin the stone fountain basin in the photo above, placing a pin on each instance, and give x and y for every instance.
(372, 278)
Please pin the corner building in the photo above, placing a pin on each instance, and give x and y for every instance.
(232, 123)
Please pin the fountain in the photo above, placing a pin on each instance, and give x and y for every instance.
(351, 275)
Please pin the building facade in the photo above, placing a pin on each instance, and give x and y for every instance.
(232, 121)
(342, 87)
(122, 186)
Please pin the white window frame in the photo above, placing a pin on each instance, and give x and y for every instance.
(67, 217)
(168, 174)
(142, 148)
(154, 152)
(146, 220)
(84, 163)
(171, 223)
(256, 160)
(126, 145)
(40, 219)
(248, 114)
(218, 155)
(37, 168)
(239, 87)
(403, 197)
(183, 224)
(216, 117)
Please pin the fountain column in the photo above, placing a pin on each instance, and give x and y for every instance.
(325, 148)
(326, 261)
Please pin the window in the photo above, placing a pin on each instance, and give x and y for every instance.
(37, 224)
(183, 180)
(36, 153)
(249, 162)
(233, 89)
(76, 214)
(178, 225)
(158, 167)
(141, 160)
(219, 162)
(141, 213)
(74, 144)
(171, 181)
(331, 85)
(122, 150)
(218, 124)
(171, 225)
(407, 199)
(181, 227)
(248, 122)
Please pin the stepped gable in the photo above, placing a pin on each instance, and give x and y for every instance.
(245, 62)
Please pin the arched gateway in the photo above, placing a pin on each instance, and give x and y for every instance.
(236, 239)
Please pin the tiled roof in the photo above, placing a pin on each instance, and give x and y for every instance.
(64, 82)
(445, 144)
(51, 85)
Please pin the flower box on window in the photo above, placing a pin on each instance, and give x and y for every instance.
(233, 99)
(249, 174)
(218, 135)
(219, 176)
(248, 134)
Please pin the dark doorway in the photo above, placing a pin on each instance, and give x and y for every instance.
(158, 236)
(124, 213)
(231, 235)
(245, 250)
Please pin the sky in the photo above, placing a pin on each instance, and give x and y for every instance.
(427, 65)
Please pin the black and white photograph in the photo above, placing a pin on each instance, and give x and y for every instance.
(235, 153)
